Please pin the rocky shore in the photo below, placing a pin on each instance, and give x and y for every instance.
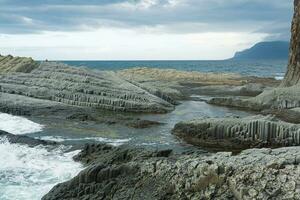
(126, 173)
(180, 85)
(19, 139)
(256, 157)
(82, 87)
(9, 64)
(235, 134)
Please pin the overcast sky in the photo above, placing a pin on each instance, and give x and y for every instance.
(139, 29)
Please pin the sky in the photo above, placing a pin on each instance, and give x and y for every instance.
(139, 29)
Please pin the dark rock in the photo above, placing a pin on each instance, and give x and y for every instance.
(20, 139)
(138, 174)
(140, 124)
(81, 117)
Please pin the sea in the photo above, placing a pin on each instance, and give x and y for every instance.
(27, 173)
(261, 68)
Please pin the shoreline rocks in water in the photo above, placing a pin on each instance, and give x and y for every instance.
(21, 139)
(235, 134)
(127, 173)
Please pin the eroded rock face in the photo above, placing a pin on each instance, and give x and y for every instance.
(124, 173)
(82, 87)
(10, 64)
(239, 133)
(292, 76)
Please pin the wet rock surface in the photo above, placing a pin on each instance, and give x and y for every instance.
(20, 139)
(239, 133)
(126, 173)
(141, 124)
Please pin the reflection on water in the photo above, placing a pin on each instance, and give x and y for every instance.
(69, 132)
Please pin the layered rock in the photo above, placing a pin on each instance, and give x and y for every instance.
(124, 173)
(16, 64)
(82, 87)
(173, 85)
(292, 76)
(239, 133)
(278, 98)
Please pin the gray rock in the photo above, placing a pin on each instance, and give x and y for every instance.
(82, 87)
(10, 64)
(20, 139)
(126, 173)
(238, 133)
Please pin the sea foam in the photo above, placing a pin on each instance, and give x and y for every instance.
(29, 173)
(18, 125)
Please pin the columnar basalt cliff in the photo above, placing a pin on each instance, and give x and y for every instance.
(292, 76)
(239, 133)
(16, 64)
(124, 173)
(82, 87)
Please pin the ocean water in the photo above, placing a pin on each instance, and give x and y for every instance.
(156, 137)
(28, 173)
(262, 68)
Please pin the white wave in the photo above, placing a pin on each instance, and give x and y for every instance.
(29, 173)
(279, 76)
(18, 125)
(114, 142)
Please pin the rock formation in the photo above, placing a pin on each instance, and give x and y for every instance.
(21, 139)
(292, 76)
(124, 173)
(16, 64)
(239, 133)
(288, 94)
(171, 84)
(82, 87)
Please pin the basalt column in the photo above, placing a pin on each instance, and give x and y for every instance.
(292, 76)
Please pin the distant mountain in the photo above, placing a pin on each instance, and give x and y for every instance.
(265, 51)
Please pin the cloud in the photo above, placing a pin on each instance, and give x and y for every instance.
(186, 15)
(139, 29)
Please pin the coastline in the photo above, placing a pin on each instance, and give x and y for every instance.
(162, 94)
